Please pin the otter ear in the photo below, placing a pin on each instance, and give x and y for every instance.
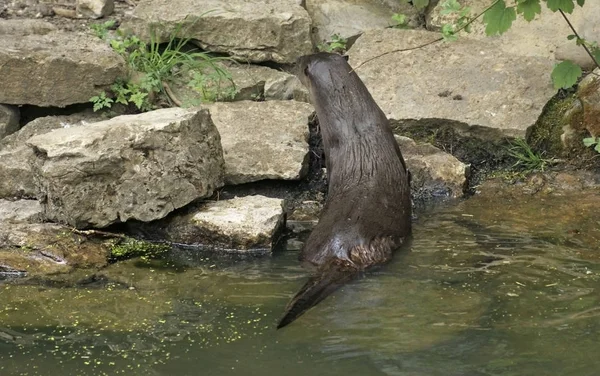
(345, 57)
(305, 70)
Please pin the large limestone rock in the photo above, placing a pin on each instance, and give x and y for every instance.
(9, 120)
(16, 158)
(54, 68)
(545, 36)
(468, 81)
(253, 30)
(348, 18)
(434, 173)
(263, 140)
(129, 167)
(241, 223)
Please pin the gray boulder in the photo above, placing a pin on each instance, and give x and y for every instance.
(20, 211)
(9, 120)
(434, 173)
(130, 167)
(350, 18)
(241, 223)
(16, 158)
(55, 68)
(253, 30)
(447, 81)
(263, 140)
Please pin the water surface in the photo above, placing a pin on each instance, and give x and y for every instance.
(490, 286)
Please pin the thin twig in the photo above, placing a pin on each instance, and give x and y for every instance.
(171, 95)
(98, 233)
(428, 43)
(579, 39)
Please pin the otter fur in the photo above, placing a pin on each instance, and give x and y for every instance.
(367, 213)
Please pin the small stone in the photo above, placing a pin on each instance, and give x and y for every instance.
(95, 8)
(9, 120)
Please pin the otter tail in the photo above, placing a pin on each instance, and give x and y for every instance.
(328, 279)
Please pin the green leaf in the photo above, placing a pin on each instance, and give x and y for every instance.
(420, 4)
(499, 18)
(597, 148)
(596, 54)
(580, 2)
(571, 37)
(564, 5)
(450, 6)
(529, 8)
(589, 141)
(565, 74)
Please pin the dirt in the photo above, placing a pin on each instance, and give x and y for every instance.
(47, 11)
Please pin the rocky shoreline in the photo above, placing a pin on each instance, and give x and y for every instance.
(237, 174)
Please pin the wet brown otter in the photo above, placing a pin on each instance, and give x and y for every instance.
(367, 214)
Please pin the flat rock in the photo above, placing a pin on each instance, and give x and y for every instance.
(20, 211)
(16, 158)
(241, 223)
(9, 120)
(263, 140)
(129, 167)
(447, 81)
(252, 30)
(434, 172)
(94, 8)
(28, 249)
(349, 18)
(545, 36)
(55, 68)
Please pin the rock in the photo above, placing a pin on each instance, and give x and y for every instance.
(47, 248)
(545, 36)
(433, 172)
(588, 94)
(25, 26)
(445, 81)
(351, 18)
(16, 158)
(241, 223)
(55, 68)
(249, 30)
(263, 140)
(94, 8)
(129, 167)
(252, 82)
(20, 211)
(9, 120)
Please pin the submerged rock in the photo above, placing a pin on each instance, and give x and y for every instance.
(263, 140)
(54, 68)
(434, 173)
(250, 30)
(129, 167)
(241, 223)
(473, 82)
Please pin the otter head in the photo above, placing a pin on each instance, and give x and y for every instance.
(322, 71)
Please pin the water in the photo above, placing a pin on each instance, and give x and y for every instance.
(493, 285)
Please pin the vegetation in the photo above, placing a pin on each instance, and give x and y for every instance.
(526, 158)
(129, 248)
(155, 65)
(337, 44)
(591, 141)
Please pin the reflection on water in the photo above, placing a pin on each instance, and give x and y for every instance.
(490, 286)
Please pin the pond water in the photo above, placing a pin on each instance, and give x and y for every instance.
(493, 285)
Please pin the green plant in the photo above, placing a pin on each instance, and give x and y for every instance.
(101, 101)
(337, 44)
(158, 64)
(526, 158)
(129, 248)
(101, 30)
(591, 141)
(400, 21)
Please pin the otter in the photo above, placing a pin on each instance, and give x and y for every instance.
(367, 213)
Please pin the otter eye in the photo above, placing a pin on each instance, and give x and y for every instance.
(346, 57)
(306, 70)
